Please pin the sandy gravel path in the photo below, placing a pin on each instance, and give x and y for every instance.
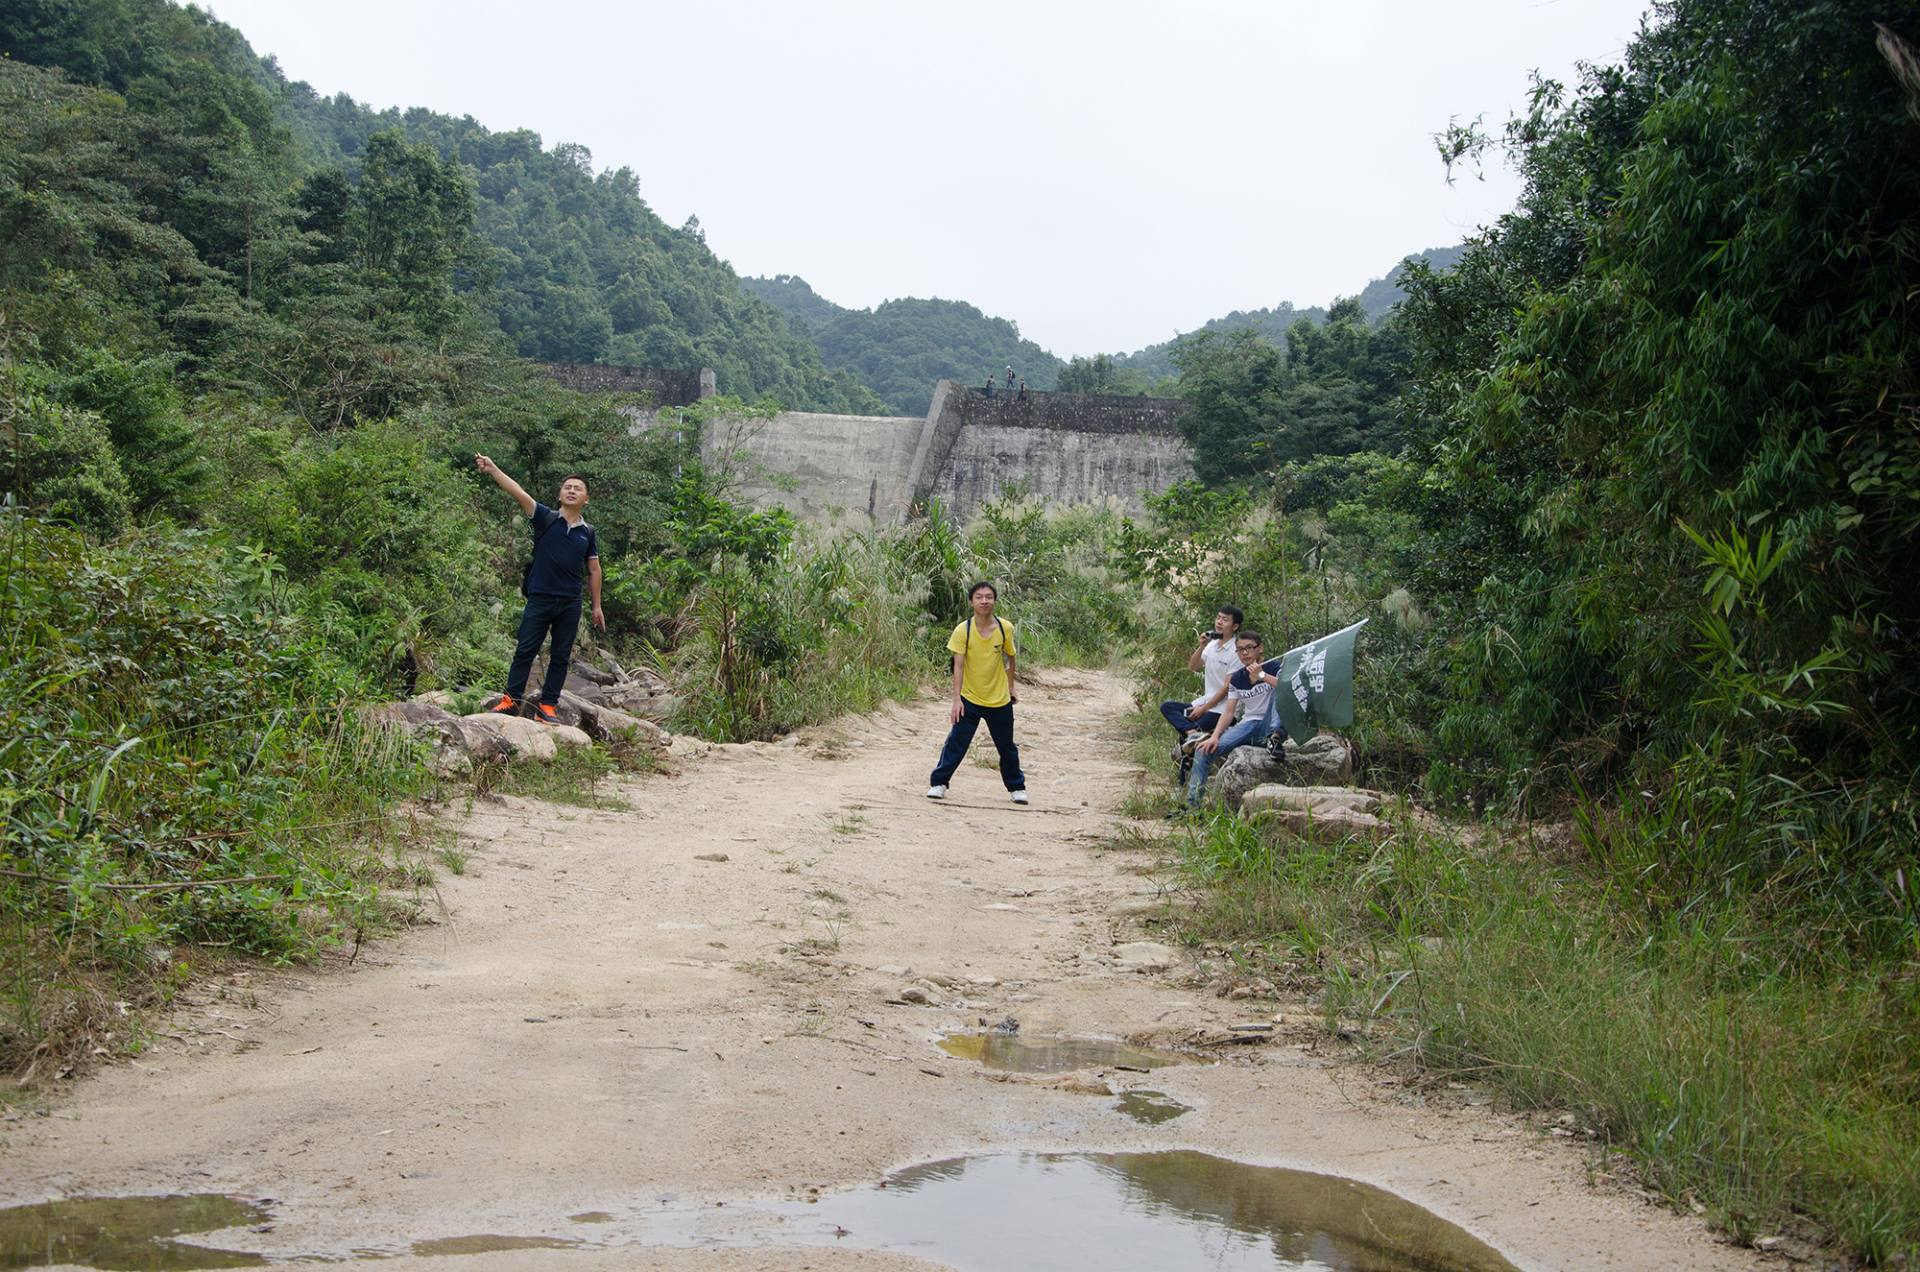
(602, 1019)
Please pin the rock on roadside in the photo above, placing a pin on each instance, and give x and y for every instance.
(522, 738)
(1313, 799)
(452, 757)
(1143, 956)
(1325, 760)
(604, 723)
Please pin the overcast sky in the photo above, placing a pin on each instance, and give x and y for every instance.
(1105, 173)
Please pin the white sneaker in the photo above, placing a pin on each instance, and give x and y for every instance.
(936, 792)
(1019, 797)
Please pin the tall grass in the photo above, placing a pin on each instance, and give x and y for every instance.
(793, 627)
(1741, 1060)
(177, 765)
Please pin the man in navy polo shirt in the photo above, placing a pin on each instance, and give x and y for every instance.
(565, 551)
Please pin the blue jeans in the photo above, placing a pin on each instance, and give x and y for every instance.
(1238, 735)
(559, 615)
(1176, 714)
(960, 737)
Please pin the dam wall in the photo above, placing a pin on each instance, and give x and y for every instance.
(825, 468)
(1061, 448)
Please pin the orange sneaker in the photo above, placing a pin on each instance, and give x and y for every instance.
(506, 705)
(546, 713)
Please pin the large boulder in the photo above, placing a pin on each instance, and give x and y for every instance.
(522, 739)
(1312, 799)
(484, 743)
(591, 674)
(416, 716)
(640, 693)
(1325, 760)
(439, 727)
(1330, 826)
(603, 723)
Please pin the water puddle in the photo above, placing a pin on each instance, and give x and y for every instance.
(1151, 1107)
(1016, 1054)
(131, 1233)
(1120, 1212)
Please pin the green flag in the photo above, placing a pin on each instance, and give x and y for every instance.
(1316, 684)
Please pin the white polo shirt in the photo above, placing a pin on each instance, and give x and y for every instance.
(1217, 662)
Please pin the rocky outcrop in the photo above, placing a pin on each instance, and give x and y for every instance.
(433, 723)
(1329, 814)
(1312, 799)
(460, 742)
(524, 739)
(1325, 760)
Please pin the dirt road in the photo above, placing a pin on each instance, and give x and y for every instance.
(608, 1024)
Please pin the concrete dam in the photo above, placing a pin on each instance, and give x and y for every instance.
(1062, 448)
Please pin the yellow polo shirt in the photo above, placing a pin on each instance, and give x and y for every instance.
(983, 677)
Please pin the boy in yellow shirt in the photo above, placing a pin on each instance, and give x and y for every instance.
(983, 653)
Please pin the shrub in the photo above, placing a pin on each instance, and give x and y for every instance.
(179, 762)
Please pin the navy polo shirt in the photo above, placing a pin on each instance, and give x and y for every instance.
(560, 554)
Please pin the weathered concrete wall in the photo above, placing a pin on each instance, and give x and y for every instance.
(1059, 467)
(666, 388)
(1068, 412)
(1064, 448)
(850, 468)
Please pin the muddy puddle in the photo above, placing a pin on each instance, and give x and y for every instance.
(136, 1233)
(1119, 1212)
(1151, 1108)
(1015, 1053)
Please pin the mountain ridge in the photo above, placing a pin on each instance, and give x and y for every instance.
(877, 344)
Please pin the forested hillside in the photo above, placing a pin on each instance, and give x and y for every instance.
(1628, 487)
(572, 264)
(1157, 362)
(1631, 494)
(900, 348)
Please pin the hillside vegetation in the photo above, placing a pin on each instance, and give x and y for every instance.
(1630, 493)
(901, 348)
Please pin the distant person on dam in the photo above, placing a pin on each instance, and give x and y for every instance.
(983, 650)
(566, 553)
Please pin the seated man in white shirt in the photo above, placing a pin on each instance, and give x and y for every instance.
(1214, 660)
(1248, 691)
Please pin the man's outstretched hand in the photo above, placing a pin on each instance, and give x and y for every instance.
(485, 465)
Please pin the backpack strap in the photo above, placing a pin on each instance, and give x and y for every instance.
(967, 643)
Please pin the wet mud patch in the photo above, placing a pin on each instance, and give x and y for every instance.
(490, 1243)
(1016, 1053)
(133, 1233)
(1151, 1108)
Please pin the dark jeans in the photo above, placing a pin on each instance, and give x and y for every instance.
(559, 615)
(1176, 713)
(960, 737)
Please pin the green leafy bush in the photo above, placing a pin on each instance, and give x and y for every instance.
(179, 762)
